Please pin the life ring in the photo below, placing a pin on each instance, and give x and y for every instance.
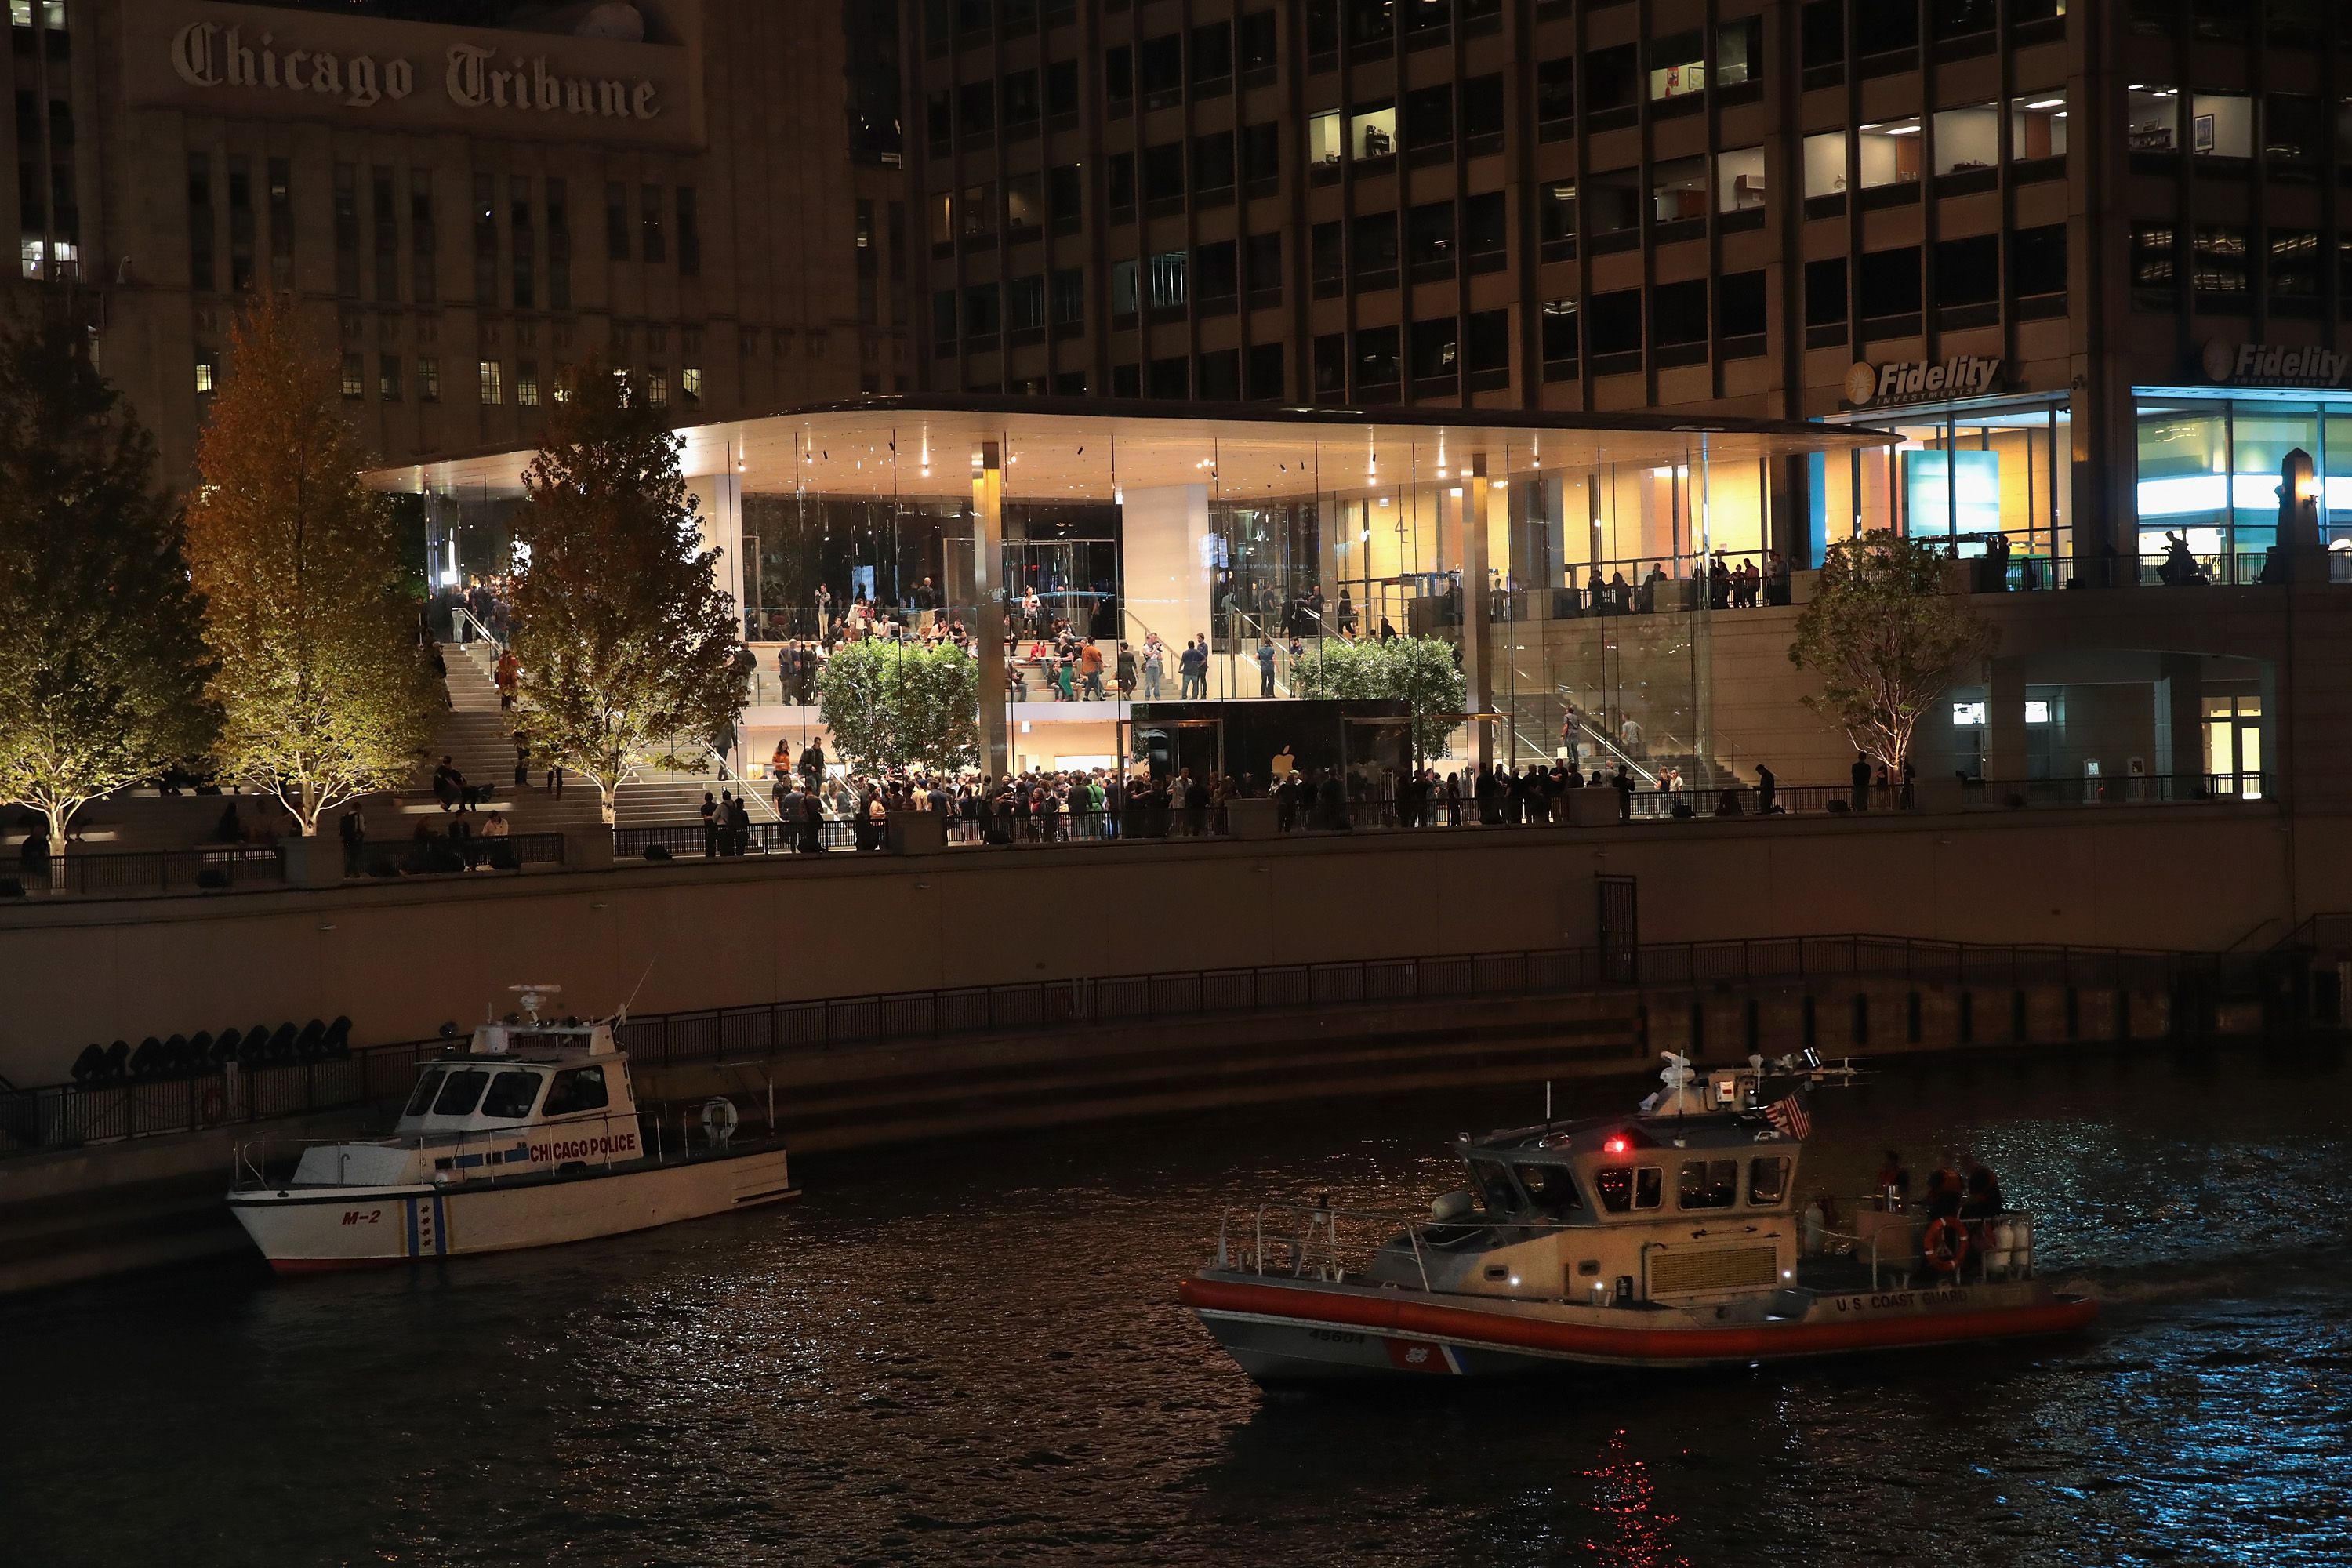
(1945, 1246)
(212, 1103)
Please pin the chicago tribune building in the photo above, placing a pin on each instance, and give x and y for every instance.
(470, 195)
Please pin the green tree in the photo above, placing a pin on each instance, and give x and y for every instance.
(628, 645)
(322, 691)
(1420, 671)
(899, 705)
(102, 666)
(1885, 640)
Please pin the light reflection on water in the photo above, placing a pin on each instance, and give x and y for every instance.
(970, 1356)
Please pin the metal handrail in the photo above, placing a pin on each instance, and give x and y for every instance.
(458, 612)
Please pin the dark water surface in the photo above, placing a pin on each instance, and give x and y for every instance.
(969, 1355)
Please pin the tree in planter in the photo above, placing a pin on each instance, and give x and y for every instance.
(322, 694)
(102, 669)
(1885, 639)
(1420, 671)
(898, 705)
(627, 643)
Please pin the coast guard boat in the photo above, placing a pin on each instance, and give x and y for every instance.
(1667, 1238)
(530, 1137)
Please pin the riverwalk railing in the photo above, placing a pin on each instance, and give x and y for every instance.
(98, 1111)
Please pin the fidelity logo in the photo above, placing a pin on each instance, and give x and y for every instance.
(1963, 376)
(2260, 364)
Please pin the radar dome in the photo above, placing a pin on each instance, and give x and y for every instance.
(621, 22)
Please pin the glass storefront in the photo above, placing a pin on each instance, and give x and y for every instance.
(1992, 480)
(2210, 477)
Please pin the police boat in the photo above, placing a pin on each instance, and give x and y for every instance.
(1671, 1238)
(530, 1136)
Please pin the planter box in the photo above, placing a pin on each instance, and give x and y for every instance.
(1590, 807)
(314, 862)
(918, 832)
(1254, 817)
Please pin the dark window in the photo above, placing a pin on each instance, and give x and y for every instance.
(1331, 365)
(1490, 341)
(1376, 357)
(2037, 261)
(1613, 79)
(281, 230)
(1617, 323)
(1708, 1184)
(1069, 297)
(1372, 249)
(1429, 233)
(1264, 263)
(1021, 99)
(1163, 172)
(2153, 248)
(1261, 151)
(383, 203)
(1160, 64)
(1119, 75)
(1213, 161)
(944, 316)
(1888, 283)
(1327, 254)
(1264, 372)
(1437, 349)
(1767, 1179)
(559, 246)
(616, 222)
(1556, 91)
(938, 116)
(1825, 291)
(1556, 211)
(1552, 1188)
(1122, 182)
(976, 109)
(1214, 271)
(518, 213)
(689, 235)
(655, 246)
(428, 1083)
(1024, 304)
(1482, 107)
(1485, 228)
(1678, 313)
(1561, 332)
(1322, 39)
(1219, 378)
(1740, 304)
(1968, 271)
(200, 226)
(347, 228)
(1169, 378)
(1957, 18)
(1061, 88)
(485, 240)
(1822, 34)
(1371, 21)
(511, 1095)
(1065, 198)
(1212, 53)
(1621, 1189)
(1425, 118)
(580, 1089)
(1882, 28)
(980, 310)
(2291, 128)
(1259, 34)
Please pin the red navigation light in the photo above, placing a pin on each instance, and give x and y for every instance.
(1616, 1145)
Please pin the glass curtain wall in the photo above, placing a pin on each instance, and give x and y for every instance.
(2209, 482)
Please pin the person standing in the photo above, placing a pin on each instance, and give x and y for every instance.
(1860, 775)
(354, 829)
(1090, 669)
(1765, 786)
(1154, 660)
(709, 827)
(1264, 667)
(1126, 673)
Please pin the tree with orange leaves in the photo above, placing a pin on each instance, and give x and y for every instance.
(322, 693)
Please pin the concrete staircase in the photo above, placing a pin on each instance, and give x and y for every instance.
(479, 740)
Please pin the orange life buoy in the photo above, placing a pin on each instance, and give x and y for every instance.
(212, 1104)
(1945, 1245)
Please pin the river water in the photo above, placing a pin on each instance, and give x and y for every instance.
(970, 1356)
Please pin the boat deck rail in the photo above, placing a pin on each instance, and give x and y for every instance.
(2015, 1261)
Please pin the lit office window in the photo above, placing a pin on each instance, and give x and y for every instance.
(354, 377)
(493, 390)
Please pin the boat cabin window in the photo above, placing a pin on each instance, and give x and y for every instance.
(1767, 1179)
(428, 1083)
(1709, 1184)
(581, 1088)
(1495, 1184)
(1552, 1188)
(460, 1092)
(511, 1094)
(1622, 1187)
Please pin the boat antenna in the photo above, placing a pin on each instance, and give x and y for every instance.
(624, 1013)
(1547, 1102)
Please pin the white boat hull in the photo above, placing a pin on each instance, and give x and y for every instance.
(307, 1229)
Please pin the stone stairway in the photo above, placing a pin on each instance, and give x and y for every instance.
(479, 740)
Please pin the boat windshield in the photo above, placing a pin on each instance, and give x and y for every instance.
(1495, 1184)
(460, 1092)
(1621, 1188)
(1552, 1188)
(426, 1083)
(511, 1095)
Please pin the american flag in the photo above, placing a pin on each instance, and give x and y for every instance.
(1789, 1115)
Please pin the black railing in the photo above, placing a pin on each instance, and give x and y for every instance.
(124, 873)
(66, 1115)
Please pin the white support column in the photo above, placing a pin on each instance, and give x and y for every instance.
(988, 595)
(1164, 561)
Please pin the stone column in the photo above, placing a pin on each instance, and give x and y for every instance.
(2005, 722)
(988, 597)
(2180, 724)
(1478, 604)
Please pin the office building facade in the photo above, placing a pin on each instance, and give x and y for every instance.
(468, 195)
(2086, 255)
